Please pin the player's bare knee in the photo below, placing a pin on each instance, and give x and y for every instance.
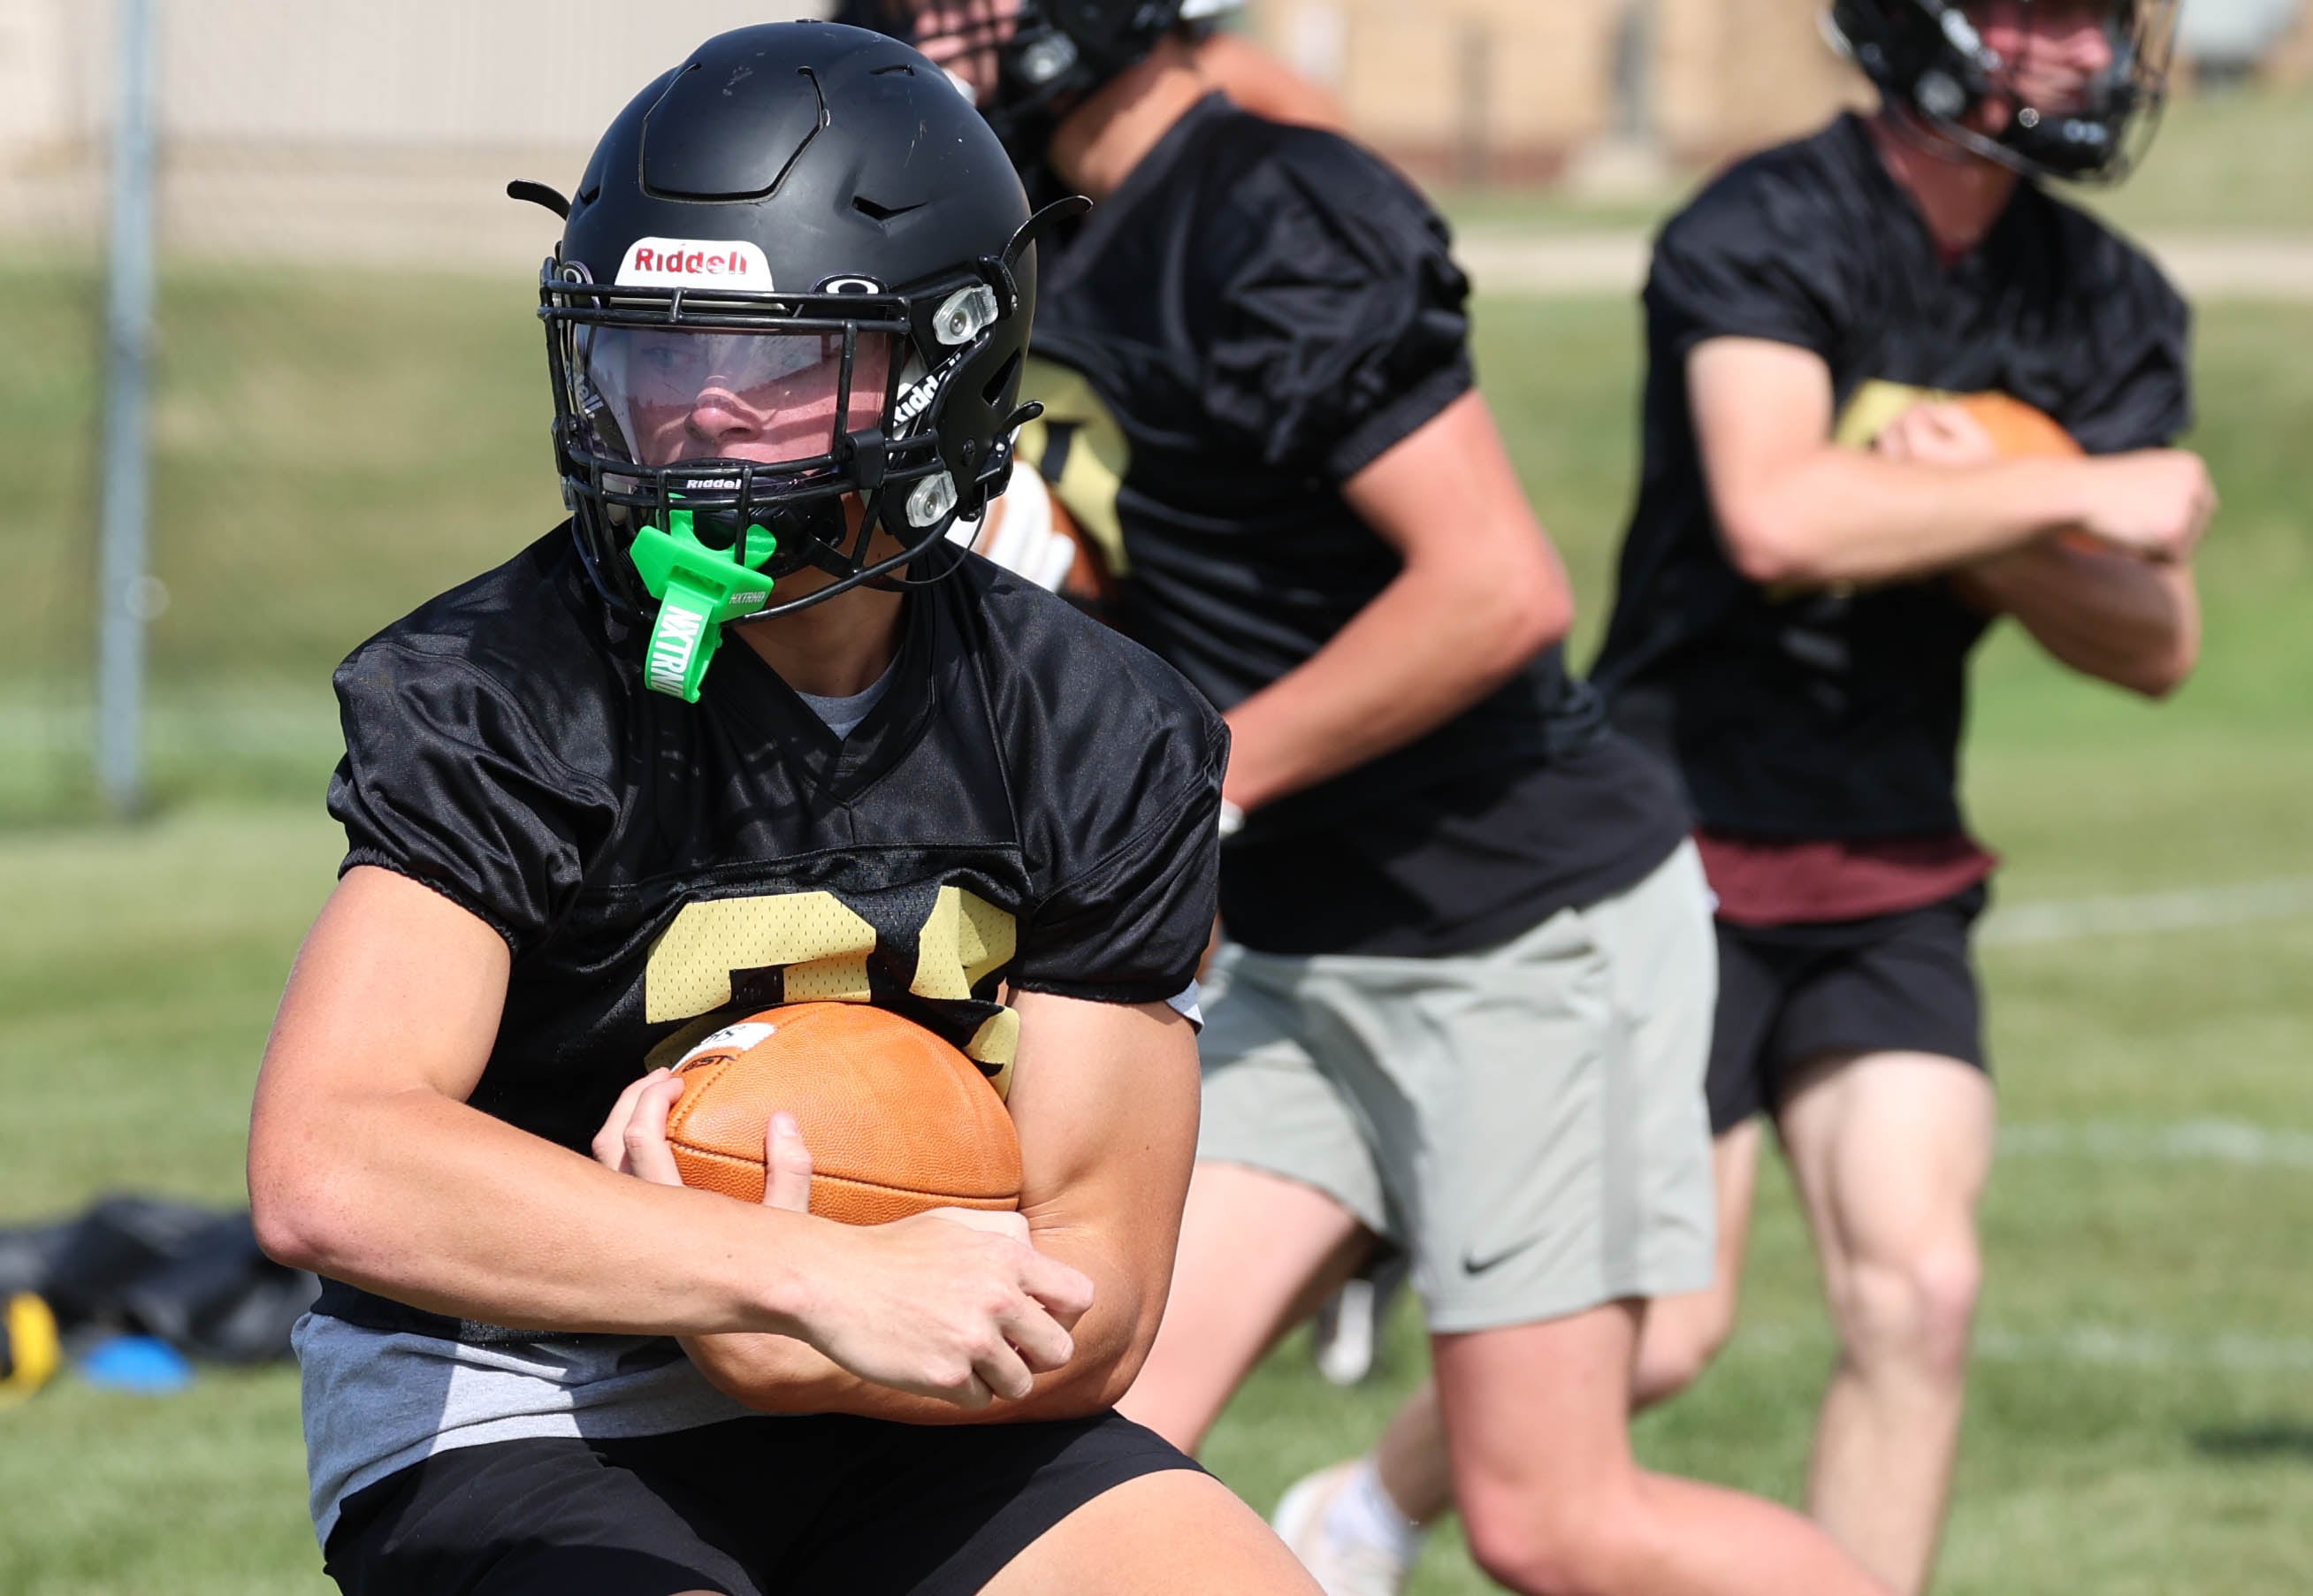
(1669, 1363)
(1947, 1283)
(1913, 1313)
(1682, 1337)
(1558, 1548)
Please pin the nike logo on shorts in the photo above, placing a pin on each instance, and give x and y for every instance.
(1472, 1264)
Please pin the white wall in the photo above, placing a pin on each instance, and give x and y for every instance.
(389, 73)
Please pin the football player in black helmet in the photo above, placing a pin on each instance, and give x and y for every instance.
(1954, 69)
(1028, 63)
(1465, 998)
(1232, 63)
(786, 323)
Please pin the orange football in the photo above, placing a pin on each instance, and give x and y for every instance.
(897, 1120)
(2016, 428)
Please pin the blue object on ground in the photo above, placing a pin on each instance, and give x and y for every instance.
(136, 1363)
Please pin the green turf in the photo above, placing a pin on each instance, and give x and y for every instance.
(2143, 1416)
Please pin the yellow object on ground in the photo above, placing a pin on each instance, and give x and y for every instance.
(30, 1352)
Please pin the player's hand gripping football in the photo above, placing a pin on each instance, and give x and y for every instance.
(1937, 434)
(953, 1304)
(2155, 502)
(2152, 503)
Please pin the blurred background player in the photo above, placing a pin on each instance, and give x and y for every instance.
(1024, 531)
(575, 849)
(1248, 75)
(1792, 628)
(1465, 995)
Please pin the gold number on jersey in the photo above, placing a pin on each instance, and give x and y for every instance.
(962, 939)
(822, 947)
(1091, 473)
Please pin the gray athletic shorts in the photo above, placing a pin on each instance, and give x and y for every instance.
(1527, 1121)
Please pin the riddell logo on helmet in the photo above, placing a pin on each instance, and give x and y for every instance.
(694, 263)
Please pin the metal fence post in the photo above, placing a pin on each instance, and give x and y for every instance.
(122, 584)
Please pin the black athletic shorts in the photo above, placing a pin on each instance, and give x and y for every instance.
(1787, 995)
(827, 1505)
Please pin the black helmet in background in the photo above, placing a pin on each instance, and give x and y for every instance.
(1030, 62)
(797, 272)
(1930, 62)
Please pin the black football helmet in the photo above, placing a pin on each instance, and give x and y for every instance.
(1930, 61)
(1033, 60)
(798, 272)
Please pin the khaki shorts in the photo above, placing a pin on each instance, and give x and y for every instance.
(1528, 1121)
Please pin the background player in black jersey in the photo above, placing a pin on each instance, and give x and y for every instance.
(1795, 614)
(1820, 540)
(785, 320)
(1466, 996)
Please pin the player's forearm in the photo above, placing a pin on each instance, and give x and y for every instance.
(1835, 516)
(2108, 615)
(425, 1200)
(780, 1374)
(1435, 641)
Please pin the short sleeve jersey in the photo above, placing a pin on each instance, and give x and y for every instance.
(1258, 313)
(1836, 713)
(1029, 805)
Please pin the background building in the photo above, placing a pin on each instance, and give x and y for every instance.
(365, 128)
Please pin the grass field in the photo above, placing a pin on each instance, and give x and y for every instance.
(2143, 1416)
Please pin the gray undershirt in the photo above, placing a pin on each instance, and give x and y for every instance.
(843, 714)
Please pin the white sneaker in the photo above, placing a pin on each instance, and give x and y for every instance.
(1340, 1566)
(1345, 1333)
(1350, 1325)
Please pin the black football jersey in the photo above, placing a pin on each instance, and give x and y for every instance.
(1258, 313)
(1030, 806)
(1837, 713)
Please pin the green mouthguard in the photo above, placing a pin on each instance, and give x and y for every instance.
(698, 589)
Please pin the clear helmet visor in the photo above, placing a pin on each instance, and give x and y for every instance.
(662, 395)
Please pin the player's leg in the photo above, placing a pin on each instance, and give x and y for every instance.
(1281, 1205)
(1680, 1335)
(1891, 1151)
(1537, 1413)
(1258, 1253)
(1683, 1334)
(1411, 1479)
(1555, 1504)
(1887, 1114)
(1534, 1349)
(1158, 1535)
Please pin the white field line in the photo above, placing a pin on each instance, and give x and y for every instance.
(1512, 259)
(2113, 1347)
(2092, 1345)
(2189, 1142)
(2189, 909)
